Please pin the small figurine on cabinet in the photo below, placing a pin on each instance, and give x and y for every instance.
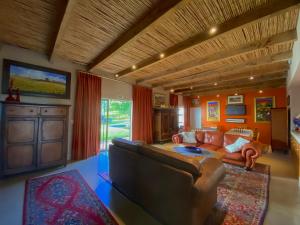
(11, 91)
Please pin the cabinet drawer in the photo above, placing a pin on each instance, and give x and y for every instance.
(13, 110)
(53, 111)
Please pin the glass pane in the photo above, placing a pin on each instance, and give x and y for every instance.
(104, 120)
(119, 122)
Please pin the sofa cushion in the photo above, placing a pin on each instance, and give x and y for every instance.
(173, 159)
(129, 145)
(237, 156)
(237, 145)
(214, 138)
(230, 139)
(209, 147)
(189, 137)
(200, 136)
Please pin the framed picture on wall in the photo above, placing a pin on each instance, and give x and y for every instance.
(235, 99)
(213, 111)
(35, 80)
(159, 100)
(262, 109)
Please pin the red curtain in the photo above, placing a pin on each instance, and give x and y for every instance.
(142, 114)
(173, 100)
(187, 102)
(86, 138)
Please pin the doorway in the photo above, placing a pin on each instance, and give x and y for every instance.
(115, 121)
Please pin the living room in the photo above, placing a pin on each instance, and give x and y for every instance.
(149, 112)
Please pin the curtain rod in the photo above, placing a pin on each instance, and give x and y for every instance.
(108, 78)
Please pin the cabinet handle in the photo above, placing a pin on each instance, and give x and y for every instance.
(31, 110)
(46, 110)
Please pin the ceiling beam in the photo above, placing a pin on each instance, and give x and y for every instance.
(239, 86)
(161, 8)
(273, 8)
(231, 91)
(257, 45)
(227, 70)
(233, 78)
(65, 16)
(264, 77)
(245, 72)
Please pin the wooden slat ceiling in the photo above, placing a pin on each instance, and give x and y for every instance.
(29, 23)
(252, 37)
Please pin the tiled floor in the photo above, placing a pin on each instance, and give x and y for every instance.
(284, 208)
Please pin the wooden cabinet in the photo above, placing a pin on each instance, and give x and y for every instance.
(32, 137)
(165, 124)
(279, 129)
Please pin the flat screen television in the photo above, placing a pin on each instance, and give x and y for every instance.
(235, 110)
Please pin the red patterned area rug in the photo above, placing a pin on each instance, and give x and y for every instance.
(243, 195)
(63, 198)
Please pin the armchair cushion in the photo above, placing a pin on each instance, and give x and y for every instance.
(237, 145)
(200, 136)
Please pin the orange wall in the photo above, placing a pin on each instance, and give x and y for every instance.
(264, 128)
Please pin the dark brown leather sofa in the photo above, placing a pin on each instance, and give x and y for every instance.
(172, 188)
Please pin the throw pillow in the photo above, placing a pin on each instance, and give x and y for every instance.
(237, 145)
(189, 137)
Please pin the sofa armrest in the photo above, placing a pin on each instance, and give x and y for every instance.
(251, 152)
(177, 139)
(212, 173)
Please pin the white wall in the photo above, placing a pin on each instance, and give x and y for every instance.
(116, 90)
(28, 56)
(293, 81)
(110, 89)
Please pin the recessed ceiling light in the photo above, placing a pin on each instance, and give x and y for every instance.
(191, 87)
(235, 94)
(218, 95)
(116, 75)
(172, 90)
(216, 83)
(260, 91)
(161, 55)
(133, 67)
(213, 30)
(198, 96)
(251, 78)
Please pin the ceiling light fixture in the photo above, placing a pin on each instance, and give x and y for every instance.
(161, 55)
(116, 75)
(235, 94)
(198, 96)
(251, 78)
(191, 87)
(172, 90)
(260, 91)
(133, 67)
(216, 83)
(213, 30)
(217, 95)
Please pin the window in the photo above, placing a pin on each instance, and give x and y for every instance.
(180, 117)
(115, 121)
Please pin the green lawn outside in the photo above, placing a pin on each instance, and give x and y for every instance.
(38, 86)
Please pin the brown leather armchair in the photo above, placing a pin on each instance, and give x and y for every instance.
(217, 141)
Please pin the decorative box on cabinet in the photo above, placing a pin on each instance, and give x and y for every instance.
(32, 137)
(165, 124)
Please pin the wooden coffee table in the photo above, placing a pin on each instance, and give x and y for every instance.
(198, 156)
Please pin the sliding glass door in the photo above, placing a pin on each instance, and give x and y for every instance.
(115, 121)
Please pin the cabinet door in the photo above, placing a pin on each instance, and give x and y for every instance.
(20, 144)
(165, 125)
(51, 149)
